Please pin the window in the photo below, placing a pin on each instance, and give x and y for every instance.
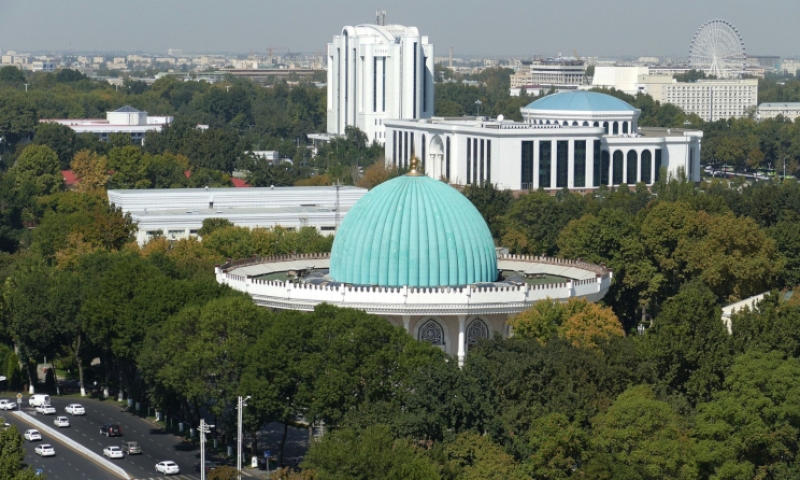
(394, 148)
(424, 84)
(489, 161)
(617, 168)
(597, 165)
(526, 174)
(633, 160)
(646, 167)
(447, 160)
(476, 332)
(415, 81)
(545, 150)
(431, 332)
(469, 161)
(481, 177)
(475, 160)
(404, 160)
(624, 127)
(658, 164)
(327, 229)
(374, 84)
(562, 163)
(579, 175)
(423, 152)
(616, 128)
(605, 126)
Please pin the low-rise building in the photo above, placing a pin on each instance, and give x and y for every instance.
(789, 110)
(178, 213)
(127, 119)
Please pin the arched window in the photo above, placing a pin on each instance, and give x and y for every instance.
(615, 130)
(574, 123)
(476, 332)
(617, 168)
(605, 125)
(431, 332)
(585, 124)
(624, 127)
(633, 158)
(596, 124)
(605, 168)
(424, 153)
(647, 167)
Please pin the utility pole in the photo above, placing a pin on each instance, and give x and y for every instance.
(204, 428)
(240, 407)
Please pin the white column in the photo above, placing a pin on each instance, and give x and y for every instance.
(625, 168)
(407, 323)
(610, 167)
(653, 172)
(462, 354)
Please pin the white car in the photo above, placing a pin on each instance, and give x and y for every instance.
(45, 450)
(113, 452)
(61, 422)
(7, 404)
(75, 409)
(167, 467)
(32, 435)
(46, 409)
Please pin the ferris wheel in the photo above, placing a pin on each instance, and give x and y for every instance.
(718, 49)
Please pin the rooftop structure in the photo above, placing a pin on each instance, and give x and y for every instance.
(558, 73)
(709, 99)
(179, 213)
(789, 110)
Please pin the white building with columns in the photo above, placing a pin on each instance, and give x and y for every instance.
(378, 72)
(577, 140)
(415, 251)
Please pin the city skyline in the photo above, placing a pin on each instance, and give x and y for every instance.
(623, 28)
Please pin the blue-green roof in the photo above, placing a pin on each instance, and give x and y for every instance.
(415, 231)
(580, 101)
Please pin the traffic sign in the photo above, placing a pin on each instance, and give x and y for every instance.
(267, 453)
(19, 396)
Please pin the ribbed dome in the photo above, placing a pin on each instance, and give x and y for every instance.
(415, 231)
(580, 101)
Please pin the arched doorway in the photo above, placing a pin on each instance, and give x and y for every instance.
(434, 164)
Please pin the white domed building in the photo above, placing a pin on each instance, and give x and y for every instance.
(577, 140)
(415, 251)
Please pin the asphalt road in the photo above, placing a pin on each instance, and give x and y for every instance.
(156, 444)
(65, 465)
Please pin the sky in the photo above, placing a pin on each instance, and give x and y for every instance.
(610, 28)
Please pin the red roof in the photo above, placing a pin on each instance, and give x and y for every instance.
(239, 183)
(70, 178)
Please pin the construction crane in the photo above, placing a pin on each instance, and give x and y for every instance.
(270, 58)
(576, 54)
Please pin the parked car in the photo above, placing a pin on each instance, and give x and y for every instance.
(131, 448)
(75, 409)
(45, 450)
(38, 400)
(111, 430)
(61, 422)
(209, 466)
(7, 404)
(167, 467)
(113, 452)
(32, 435)
(46, 409)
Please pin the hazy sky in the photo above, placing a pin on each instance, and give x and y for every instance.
(485, 27)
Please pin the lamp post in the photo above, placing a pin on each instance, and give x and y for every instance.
(240, 408)
(204, 428)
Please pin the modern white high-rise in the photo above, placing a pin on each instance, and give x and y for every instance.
(378, 72)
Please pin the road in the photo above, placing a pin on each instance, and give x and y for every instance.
(65, 465)
(156, 444)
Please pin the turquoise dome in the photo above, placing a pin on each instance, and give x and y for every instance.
(416, 231)
(580, 101)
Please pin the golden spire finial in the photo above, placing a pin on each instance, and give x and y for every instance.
(414, 164)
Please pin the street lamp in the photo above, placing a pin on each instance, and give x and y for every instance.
(204, 428)
(240, 408)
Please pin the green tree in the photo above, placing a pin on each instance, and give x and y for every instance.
(475, 457)
(60, 138)
(212, 224)
(11, 74)
(371, 454)
(12, 456)
(39, 166)
(750, 428)
(557, 447)
(641, 437)
(18, 118)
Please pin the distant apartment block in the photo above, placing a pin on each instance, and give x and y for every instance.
(789, 111)
(559, 73)
(709, 99)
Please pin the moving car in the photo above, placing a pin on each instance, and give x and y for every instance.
(75, 409)
(7, 404)
(38, 400)
(167, 467)
(209, 466)
(45, 450)
(111, 430)
(61, 422)
(46, 409)
(32, 435)
(113, 452)
(131, 448)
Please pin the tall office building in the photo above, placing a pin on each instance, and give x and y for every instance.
(378, 72)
